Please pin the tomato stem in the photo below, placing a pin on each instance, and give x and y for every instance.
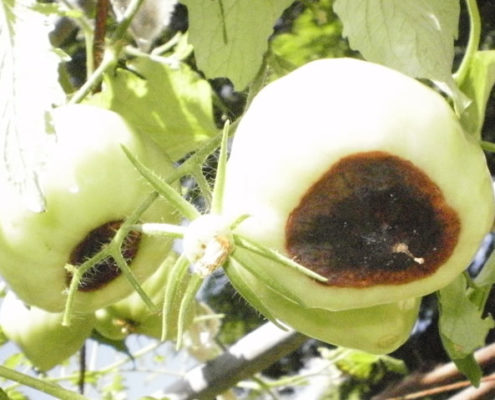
(77, 274)
(40, 385)
(473, 41)
(162, 229)
(164, 189)
(109, 60)
(124, 24)
(124, 267)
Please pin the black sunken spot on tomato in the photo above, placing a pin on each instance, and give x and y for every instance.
(372, 219)
(106, 270)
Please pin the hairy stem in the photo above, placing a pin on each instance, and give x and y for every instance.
(41, 385)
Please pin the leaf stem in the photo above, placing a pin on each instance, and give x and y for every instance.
(119, 259)
(487, 146)
(109, 60)
(77, 273)
(160, 229)
(473, 41)
(38, 384)
(124, 24)
(218, 189)
(164, 189)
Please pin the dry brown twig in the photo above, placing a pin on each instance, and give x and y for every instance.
(442, 379)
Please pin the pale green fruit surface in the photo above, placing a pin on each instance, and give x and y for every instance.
(301, 126)
(40, 334)
(87, 181)
(131, 315)
(380, 329)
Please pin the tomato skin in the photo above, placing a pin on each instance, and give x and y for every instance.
(301, 125)
(40, 334)
(87, 181)
(379, 329)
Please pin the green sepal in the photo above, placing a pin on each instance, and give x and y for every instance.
(244, 259)
(248, 293)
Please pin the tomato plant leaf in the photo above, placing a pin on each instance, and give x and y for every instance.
(316, 33)
(477, 86)
(230, 37)
(28, 92)
(167, 101)
(470, 368)
(363, 365)
(415, 37)
(462, 327)
(486, 276)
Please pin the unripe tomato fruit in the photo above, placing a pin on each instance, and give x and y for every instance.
(363, 175)
(131, 315)
(40, 334)
(90, 187)
(378, 329)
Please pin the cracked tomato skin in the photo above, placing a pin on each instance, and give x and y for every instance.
(87, 182)
(332, 125)
(40, 334)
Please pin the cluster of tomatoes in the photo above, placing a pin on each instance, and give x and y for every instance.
(353, 170)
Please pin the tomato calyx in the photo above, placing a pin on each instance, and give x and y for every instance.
(372, 218)
(106, 270)
(207, 244)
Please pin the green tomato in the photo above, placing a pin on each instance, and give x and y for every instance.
(90, 187)
(131, 315)
(40, 334)
(378, 329)
(363, 175)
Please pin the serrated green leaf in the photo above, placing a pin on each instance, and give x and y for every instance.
(477, 86)
(462, 327)
(230, 37)
(415, 37)
(170, 103)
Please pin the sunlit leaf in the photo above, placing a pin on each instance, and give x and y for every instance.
(170, 103)
(316, 33)
(462, 326)
(477, 86)
(230, 37)
(415, 37)
(29, 82)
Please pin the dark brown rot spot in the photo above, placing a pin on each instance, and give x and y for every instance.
(373, 218)
(106, 270)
